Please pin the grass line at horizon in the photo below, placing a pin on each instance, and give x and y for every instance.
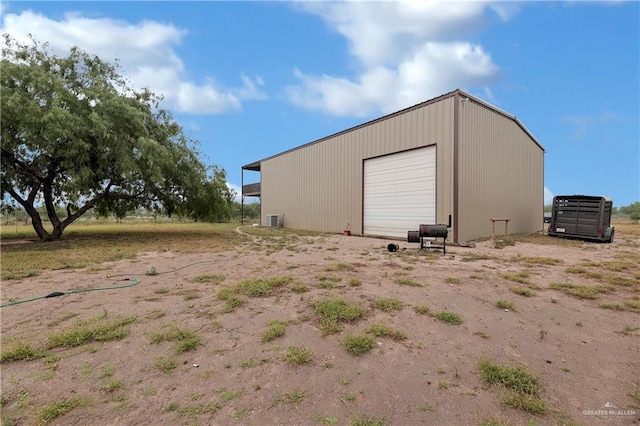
(89, 245)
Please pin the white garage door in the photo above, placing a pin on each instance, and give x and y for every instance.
(400, 192)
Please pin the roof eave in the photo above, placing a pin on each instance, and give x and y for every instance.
(503, 113)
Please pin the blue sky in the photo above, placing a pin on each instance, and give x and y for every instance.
(252, 79)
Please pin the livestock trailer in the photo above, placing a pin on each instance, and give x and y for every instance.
(584, 217)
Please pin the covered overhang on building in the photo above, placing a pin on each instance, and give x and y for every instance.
(251, 189)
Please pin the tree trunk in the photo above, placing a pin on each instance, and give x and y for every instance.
(36, 222)
(58, 225)
(56, 234)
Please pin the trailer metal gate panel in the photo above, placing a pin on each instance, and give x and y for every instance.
(582, 216)
(399, 192)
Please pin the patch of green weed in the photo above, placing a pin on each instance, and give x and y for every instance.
(93, 330)
(156, 314)
(492, 421)
(407, 282)
(449, 317)
(339, 267)
(295, 396)
(584, 272)
(227, 395)
(20, 352)
(580, 291)
(276, 329)
(298, 356)
(112, 386)
(537, 260)
(505, 304)
(519, 277)
(192, 294)
(249, 363)
(421, 309)
(354, 282)
(621, 281)
(473, 257)
(325, 420)
(521, 388)
(232, 300)
(357, 345)
(635, 394)
(208, 278)
(299, 287)
(166, 365)
(387, 304)
(381, 330)
(625, 306)
(186, 340)
(367, 421)
(332, 312)
(57, 409)
(521, 291)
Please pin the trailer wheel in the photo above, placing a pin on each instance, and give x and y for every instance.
(607, 235)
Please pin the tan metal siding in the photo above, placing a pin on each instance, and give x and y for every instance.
(501, 174)
(319, 186)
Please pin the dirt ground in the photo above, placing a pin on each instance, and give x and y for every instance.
(587, 358)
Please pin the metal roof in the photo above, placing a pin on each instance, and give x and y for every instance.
(255, 166)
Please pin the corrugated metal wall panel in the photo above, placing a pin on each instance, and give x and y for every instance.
(319, 186)
(500, 172)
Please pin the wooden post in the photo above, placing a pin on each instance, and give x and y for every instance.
(493, 228)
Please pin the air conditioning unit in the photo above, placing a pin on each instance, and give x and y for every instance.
(274, 220)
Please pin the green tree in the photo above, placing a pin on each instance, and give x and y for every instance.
(213, 202)
(632, 210)
(251, 210)
(74, 134)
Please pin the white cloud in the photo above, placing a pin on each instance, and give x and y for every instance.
(406, 52)
(583, 124)
(146, 51)
(580, 125)
(435, 69)
(237, 192)
(548, 196)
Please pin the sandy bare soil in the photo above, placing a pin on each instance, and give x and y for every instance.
(587, 358)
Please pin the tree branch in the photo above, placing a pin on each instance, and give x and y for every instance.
(24, 168)
(14, 194)
(47, 191)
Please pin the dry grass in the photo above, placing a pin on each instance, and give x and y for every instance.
(542, 239)
(536, 260)
(580, 291)
(90, 245)
(627, 228)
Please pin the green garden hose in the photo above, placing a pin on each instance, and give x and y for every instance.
(134, 282)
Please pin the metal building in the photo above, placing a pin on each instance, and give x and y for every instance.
(453, 160)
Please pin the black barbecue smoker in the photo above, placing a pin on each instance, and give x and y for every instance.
(428, 235)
